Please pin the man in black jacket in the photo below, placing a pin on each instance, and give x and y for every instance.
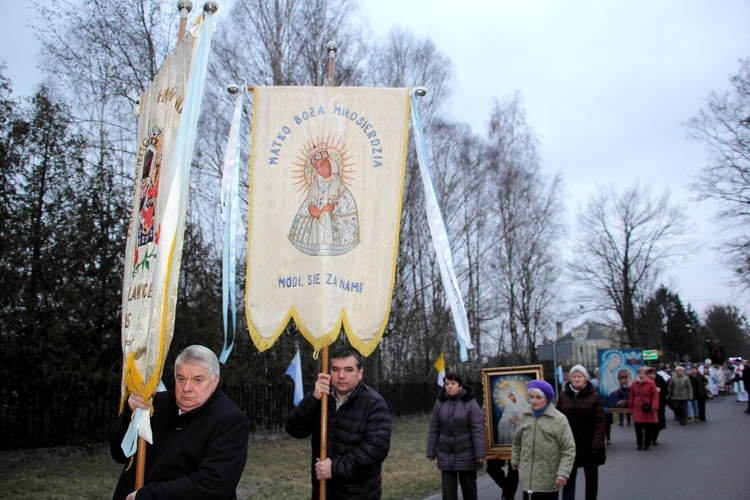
(199, 436)
(359, 429)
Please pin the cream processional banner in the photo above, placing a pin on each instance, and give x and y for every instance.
(326, 182)
(166, 134)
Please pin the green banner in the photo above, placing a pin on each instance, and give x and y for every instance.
(650, 354)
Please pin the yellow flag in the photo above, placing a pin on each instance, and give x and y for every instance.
(440, 363)
(440, 367)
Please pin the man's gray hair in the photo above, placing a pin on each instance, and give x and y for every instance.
(198, 355)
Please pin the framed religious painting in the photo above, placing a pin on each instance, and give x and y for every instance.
(618, 368)
(505, 398)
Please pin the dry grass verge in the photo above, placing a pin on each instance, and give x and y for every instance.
(277, 467)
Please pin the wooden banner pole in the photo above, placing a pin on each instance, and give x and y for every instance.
(331, 47)
(140, 464)
(183, 7)
(324, 423)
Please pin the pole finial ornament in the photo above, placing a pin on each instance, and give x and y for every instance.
(331, 48)
(184, 5)
(420, 91)
(233, 88)
(210, 7)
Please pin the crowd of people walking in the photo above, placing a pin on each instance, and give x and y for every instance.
(200, 436)
(683, 388)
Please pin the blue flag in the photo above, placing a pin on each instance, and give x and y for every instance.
(295, 371)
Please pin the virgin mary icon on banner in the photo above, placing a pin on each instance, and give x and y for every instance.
(327, 222)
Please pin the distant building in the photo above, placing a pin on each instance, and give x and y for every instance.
(585, 341)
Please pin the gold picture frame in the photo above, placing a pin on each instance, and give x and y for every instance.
(505, 398)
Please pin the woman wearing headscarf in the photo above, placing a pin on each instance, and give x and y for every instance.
(583, 407)
(644, 404)
(456, 438)
(543, 446)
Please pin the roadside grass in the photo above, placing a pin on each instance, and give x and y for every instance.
(58, 473)
(407, 474)
(278, 466)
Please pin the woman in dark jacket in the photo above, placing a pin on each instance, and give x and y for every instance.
(456, 438)
(700, 394)
(663, 389)
(584, 409)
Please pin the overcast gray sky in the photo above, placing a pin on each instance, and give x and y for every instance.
(607, 84)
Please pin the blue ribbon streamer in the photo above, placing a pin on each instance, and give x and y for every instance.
(230, 212)
(440, 238)
(129, 444)
(140, 425)
(182, 157)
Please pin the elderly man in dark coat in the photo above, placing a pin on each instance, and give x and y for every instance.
(680, 392)
(200, 436)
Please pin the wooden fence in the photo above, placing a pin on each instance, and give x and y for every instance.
(79, 414)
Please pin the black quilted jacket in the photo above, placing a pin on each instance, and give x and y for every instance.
(359, 438)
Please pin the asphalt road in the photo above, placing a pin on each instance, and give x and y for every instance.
(706, 460)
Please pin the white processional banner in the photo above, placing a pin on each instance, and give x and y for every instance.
(154, 244)
(326, 183)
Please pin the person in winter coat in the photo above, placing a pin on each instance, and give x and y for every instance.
(662, 389)
(700, 395)
(583, 407)
(507, 482)
(680, 392)
(359, 430)
(644, 404)
(456, 438)
(199, 436)
(543, 450)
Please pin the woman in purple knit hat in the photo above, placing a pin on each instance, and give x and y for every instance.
(543, 449)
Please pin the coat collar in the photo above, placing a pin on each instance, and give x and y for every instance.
(173, 402)
(585, 390)
(465, 394)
